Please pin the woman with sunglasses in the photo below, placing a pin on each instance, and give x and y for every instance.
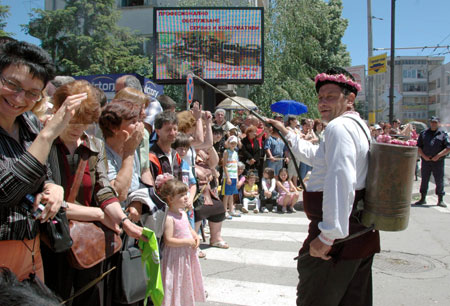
(25, 69)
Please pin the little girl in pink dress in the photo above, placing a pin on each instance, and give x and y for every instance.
(288, 194)
(180, 267)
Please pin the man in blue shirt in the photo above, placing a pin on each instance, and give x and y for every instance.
(274, 147)
(433, 145)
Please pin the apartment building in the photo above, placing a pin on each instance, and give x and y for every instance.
(421, 84)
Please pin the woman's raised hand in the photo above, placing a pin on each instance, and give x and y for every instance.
(64, 114)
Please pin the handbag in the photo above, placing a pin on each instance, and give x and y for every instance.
(199, 199)
(130, 281)
(92, 242)
(56, 233)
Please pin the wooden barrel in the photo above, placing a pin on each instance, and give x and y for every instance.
(389, 186)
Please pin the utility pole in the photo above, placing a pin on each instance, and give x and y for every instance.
(370, 99)
(391, 89)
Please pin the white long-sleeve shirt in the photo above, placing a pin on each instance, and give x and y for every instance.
(272, 185)
(340, 165)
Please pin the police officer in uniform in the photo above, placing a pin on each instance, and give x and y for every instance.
(434, 145)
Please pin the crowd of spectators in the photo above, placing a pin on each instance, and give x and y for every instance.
(129, 147)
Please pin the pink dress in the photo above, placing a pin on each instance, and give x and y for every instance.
(282, 193)
(180, 268)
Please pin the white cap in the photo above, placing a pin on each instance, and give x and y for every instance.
(232, 139)
(377, 127)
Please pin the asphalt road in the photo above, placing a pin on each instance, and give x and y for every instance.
(258, 269)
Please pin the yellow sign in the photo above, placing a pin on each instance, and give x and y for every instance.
(377, 64)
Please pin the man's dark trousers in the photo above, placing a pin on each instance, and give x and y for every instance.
(437, 168)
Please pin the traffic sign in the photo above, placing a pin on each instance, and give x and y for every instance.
(377, 64)
(397, 96)
(189, 88)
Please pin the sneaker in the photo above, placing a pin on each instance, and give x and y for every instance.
(274, 210)
(228, 217)
(235, 214)
(289, 209)
(293, 210)
(284, 210)
(256, 210)
(244, 210)
(265, 210)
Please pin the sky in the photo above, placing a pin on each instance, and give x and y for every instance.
(419, 23)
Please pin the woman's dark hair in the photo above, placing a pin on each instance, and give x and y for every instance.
(290, 119)
(115, 112)
(317, 122)
(22, 53)
(182, 141)
(166, 102)
(283, 170)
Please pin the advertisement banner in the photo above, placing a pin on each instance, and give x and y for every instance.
(221, 45)
(107, 83)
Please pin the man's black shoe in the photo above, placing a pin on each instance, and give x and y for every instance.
(422, 200)
(441, 202)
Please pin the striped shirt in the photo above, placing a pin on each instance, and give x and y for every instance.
(20, 174)
(232, 164)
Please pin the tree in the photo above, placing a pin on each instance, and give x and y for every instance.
(302, 38)
(83, 38)
(4, 14)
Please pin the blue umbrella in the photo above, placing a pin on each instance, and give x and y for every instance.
(289, 107)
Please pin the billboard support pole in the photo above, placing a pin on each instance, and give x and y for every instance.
(263, 120)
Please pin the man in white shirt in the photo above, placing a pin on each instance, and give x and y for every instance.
(335, 274)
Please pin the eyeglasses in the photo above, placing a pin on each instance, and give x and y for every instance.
(32, 96)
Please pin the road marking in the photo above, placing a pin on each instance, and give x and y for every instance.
(248, 293)
(265, 258)
(258, 234)
(271, 220)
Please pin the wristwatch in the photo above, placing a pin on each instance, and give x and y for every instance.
(122, 221)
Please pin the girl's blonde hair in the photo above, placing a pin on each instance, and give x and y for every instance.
(250, 175)
(172, 188)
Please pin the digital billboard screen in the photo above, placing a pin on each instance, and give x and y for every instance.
(221, 45)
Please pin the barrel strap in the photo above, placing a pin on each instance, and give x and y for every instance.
(357, 122)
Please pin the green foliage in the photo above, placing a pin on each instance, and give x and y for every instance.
(83, 38)
(4, 14)
(302, 38)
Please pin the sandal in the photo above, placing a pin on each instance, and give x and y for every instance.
(201, 254)
(220, 244)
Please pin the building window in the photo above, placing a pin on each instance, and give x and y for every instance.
(126, 3)
(415, 87)
(438, 83)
